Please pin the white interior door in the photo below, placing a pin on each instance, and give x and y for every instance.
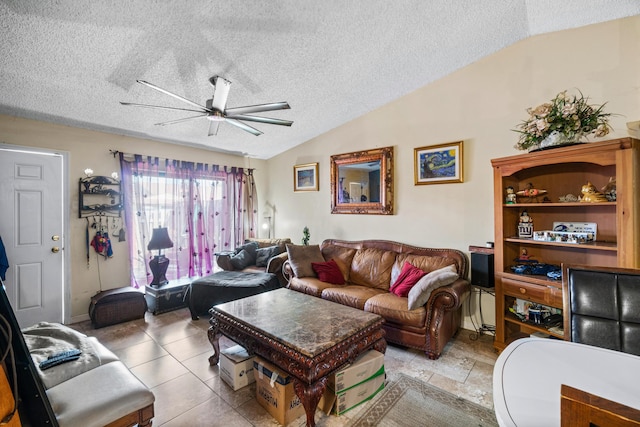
(31, 227)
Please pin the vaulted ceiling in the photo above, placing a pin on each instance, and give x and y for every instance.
(331, 60)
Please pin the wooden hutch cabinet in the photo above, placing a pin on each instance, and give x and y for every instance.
(562, 171)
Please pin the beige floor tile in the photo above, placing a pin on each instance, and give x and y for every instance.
(200, 367)
(233, 398)
(138, 354)
(171, 332)
(159, 371)
(180, 395)
(190, 346)
(210, 413)
(119, 336)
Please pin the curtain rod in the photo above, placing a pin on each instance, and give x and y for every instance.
(116, 152)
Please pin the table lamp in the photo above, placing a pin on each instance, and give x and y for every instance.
(159, 240)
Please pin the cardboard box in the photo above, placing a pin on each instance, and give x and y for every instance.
(333, 402)
(274, 391)
(236, 367)
(358, 394)
(368, 365)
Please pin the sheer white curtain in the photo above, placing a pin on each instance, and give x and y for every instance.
(205, 208)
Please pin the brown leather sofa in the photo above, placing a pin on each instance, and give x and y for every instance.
(225, 260)
(369, 268)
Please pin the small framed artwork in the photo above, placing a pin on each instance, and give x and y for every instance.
(438, 164)
(305, 177)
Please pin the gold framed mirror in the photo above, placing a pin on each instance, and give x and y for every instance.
(362, 182)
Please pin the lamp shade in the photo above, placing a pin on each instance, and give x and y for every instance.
(160, 239)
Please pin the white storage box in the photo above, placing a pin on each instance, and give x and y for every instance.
(569, 232)
(363, 368)
(563, 237)
(236, 367)
(359, 394)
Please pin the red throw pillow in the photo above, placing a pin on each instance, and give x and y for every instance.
(328, 272)
(408, 277)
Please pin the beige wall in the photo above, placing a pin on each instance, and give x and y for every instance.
(90, 149)
(479, 104)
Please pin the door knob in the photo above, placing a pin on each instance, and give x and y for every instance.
(55, 249)
(55, 238)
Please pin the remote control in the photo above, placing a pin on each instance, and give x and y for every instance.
(58, 358)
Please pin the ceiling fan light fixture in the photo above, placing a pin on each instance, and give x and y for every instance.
(216, 116)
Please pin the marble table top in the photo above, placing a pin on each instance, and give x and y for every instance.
(308, 324)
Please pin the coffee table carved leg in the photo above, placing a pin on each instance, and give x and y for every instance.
(310, 395)
(381, 346)
(214, 338)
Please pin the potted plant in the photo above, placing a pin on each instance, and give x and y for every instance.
(562, 121)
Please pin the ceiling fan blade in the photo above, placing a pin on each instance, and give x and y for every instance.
(257, 108)
(268, 120)
(220, 93)
(213, 127)
(243, 126)
(162, 107)
(166, 92)
(170, 122)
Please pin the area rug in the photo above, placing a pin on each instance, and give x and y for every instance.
(410, 402)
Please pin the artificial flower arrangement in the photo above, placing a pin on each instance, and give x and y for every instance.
(565, 119)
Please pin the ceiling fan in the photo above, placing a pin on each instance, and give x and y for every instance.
(216, 110)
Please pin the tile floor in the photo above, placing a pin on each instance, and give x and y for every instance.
(169, 353)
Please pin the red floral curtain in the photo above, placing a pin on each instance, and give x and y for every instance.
(205, 208)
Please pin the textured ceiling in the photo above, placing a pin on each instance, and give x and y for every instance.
(331, 60)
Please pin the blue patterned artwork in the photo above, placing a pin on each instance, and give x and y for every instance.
(439, 164)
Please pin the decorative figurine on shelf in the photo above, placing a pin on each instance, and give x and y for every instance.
(568, 198)
(525, 227)
(591, 195)
(531, 193)
(609, 190)
(524, 256)
(510, 198)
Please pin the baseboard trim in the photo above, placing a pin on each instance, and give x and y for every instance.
(81, 318)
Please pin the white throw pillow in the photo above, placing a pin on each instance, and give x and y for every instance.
(421, 291)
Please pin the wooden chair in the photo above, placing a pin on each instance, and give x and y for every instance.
(581, 409)
(602, 307)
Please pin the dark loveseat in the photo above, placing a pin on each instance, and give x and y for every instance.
(260, 255)
(369, 268)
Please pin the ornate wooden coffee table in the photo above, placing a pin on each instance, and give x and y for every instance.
(305, 336)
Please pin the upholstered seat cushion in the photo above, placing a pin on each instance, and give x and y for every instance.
(309, 285)
(351, 295)
(394, 309)
(76, 403)
(225, 286)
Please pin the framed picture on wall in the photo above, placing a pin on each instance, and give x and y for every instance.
(305, 177)
(438, 164)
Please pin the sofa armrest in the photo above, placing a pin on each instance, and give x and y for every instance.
(275, 263)
(287, 271)
(444, 315)
(223, 259)
(449, 298)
